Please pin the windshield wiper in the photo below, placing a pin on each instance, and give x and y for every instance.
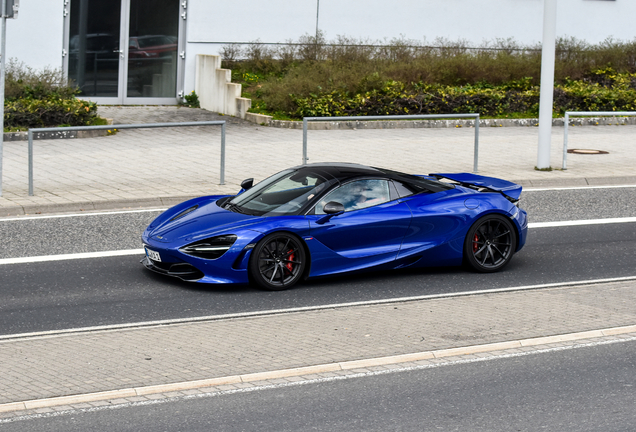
(238, 209)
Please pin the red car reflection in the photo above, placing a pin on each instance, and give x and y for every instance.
(156, 46)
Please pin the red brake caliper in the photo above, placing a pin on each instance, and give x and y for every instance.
(475, 245)
(289, 265)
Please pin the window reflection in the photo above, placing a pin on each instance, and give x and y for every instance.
(152, 48)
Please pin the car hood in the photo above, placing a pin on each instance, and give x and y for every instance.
(507, 188)
(207, 220)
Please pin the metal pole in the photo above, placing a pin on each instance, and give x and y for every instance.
(2, 62)
(222, 154)
(30, 162)
(565, 139)
(304, 141)
(475, 170)
(317, 15)
(547, 83)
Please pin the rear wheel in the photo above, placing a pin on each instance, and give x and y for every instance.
(277, 261)
(490, 244)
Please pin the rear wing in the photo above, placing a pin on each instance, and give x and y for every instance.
(509, 189)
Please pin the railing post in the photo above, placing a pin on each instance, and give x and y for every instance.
(304, 141)
(566, 123)
(30, 162)
(222, 154)
(476, 156)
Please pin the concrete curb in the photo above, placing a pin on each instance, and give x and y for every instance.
(308, 370)
(409, 124)
(133, 203)
(24, 136)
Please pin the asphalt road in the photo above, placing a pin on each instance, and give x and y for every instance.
(114, 290)
(577, 390)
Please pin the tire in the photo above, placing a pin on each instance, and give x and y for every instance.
(277, 262)
(490, 244)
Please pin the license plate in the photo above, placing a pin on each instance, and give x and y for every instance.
(153, 255)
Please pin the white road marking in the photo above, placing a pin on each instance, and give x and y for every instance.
(23, 218)
(581, 222)
(64, 257)
(106, 213)
(104, 254)
(114, 327)
(531, 189)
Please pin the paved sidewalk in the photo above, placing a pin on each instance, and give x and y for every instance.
(159, 167)
(68, 364)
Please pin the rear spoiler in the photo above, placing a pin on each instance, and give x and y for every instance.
(509, 189)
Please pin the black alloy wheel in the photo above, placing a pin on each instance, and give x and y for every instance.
(490, 243)
(277, 261)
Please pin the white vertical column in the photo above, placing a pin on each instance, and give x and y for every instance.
(3, 55)
(547, 83)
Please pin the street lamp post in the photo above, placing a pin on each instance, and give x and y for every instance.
(547, 83)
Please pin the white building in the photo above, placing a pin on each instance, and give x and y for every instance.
(144, 51)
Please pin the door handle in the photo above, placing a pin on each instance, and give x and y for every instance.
(121, 52)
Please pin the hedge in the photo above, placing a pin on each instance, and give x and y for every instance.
(51, 111)
(618, 93)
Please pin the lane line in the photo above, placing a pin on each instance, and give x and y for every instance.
(157, 323)
(106, 213)
(81, 215)
(581, 222)
(64, 257)
(490, 351)
(577, 188)
(104, 254)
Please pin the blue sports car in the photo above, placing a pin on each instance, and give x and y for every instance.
(331, 218)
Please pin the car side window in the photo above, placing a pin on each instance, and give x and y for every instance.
(357, 195)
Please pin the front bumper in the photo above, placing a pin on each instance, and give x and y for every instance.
(184, 271)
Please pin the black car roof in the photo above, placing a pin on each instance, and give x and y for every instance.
(345, 171)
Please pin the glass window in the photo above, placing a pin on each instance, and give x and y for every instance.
(94, 47)
(357, 195)
(152, 52)
(284, 193)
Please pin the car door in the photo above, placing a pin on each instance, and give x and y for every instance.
(369, 232)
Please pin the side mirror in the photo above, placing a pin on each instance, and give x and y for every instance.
(333, 207)
(247, 183)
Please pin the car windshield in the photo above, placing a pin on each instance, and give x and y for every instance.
(284, 193)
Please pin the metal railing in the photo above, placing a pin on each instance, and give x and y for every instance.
(127, 126)
(395, 117)
(566, 123)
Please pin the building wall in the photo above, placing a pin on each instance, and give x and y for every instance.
(474, 20)
(36, 36)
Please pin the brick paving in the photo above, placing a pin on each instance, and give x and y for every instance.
(43, 367)
(145, 167)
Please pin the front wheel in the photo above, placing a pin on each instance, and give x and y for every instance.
(490, 244)
(277, 261)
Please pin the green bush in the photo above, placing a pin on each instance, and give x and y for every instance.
(52, 111)
(42, 99)
(515, 97)
(360, 77)
(191, 100)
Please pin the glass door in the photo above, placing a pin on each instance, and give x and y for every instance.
(94, 54)
(125, 51)
(153, 39)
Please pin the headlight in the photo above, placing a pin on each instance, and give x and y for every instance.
(211, 248)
